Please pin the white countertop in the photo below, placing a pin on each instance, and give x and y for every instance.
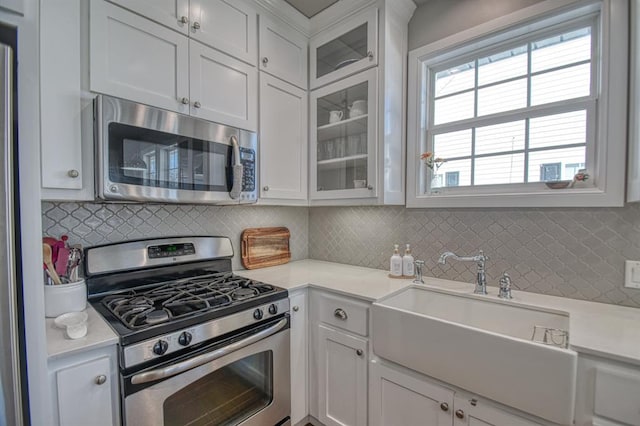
(600, 329)
(99, 334)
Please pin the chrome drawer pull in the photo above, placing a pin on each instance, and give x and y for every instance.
(340, 314)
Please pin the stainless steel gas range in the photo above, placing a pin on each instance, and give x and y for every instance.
(198, 344)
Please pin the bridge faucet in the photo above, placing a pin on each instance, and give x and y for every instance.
(480, 259)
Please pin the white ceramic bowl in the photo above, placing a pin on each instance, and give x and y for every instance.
(74, 323)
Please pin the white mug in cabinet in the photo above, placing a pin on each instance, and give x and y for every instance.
(335, 116)
(358, 108)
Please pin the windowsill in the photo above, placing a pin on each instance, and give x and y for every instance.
(574, 197)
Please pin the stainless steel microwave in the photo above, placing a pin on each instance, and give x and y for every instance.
(153, 155)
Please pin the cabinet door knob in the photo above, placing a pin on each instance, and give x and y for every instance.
(185, 101)
(444, 406)
(370, 54)
(295, 309)
(196, 104)
(196, 26)
(101, 379)
(73, 173)
(265, 61)
(359, 352)
(460, 414)
(370, 187)
(340, 314)
(184, 20)
(265, 188)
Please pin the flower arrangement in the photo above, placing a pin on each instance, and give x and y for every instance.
(431, 161)
(581, 176)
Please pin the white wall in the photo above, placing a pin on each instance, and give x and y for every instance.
(437, 19)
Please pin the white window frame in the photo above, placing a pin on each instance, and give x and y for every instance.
(608, 172)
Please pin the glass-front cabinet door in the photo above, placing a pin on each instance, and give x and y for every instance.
(343, 138)
(344, 50)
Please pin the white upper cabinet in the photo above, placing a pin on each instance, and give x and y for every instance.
(226, 25)
(283, 140)
(343, 157)
(283, 52)
(344, 49)
(171, 13)
(223, 89)
(60, 95)
(136, 59)
(16, 6)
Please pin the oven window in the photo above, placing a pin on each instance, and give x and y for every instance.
(225, 397)
(150, 158)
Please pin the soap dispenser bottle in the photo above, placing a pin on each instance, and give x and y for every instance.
(396, 263)
(407, 263)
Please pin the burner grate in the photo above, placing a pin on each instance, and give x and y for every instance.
(143, 308)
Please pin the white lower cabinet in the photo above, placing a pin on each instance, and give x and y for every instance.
(401, 397)
(338, 356)
(402, 400)
(342, 379)
(85, 389)
(299, 355)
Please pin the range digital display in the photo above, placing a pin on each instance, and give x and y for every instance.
(171, 250)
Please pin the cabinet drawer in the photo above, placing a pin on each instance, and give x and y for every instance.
(617, 394)
(341, 312)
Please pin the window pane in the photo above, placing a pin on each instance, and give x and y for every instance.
(452, 145)
(500, 137)
(559, 129)
(560, 50)
(459, 168)
(567, 83)
(453, 108)
(499, 169)
(502, 66)
(502, 97)
(570, 159)
(455, 79)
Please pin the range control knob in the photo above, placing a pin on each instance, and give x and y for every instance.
(160, 347)
(185, 338)
(273, 309)
(257, 314)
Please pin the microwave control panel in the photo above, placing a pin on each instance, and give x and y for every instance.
(248, 160)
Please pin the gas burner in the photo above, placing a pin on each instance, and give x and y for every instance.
(243, 293)
(157, 316)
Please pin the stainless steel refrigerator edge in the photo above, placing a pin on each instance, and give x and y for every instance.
(10, 398)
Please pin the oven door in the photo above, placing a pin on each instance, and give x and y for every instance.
(244, 383)
(149, 154)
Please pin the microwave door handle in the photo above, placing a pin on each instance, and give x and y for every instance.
(172, 370)
(236, 189)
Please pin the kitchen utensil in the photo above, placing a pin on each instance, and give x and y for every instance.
(46, 257)
(74, 324)
(358, 108)
(62, 261)
(335, 116)
(262, 247)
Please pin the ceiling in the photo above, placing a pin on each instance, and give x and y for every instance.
(310, 8)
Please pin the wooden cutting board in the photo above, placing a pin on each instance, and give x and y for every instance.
(262, 247)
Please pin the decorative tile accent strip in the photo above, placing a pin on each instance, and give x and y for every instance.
(576, 253)
(91, 224)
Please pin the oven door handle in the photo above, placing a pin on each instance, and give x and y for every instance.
(172, 370)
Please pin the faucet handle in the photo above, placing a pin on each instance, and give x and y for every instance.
(505, 287)
(419, 264)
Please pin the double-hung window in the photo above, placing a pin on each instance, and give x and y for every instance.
(511, 110)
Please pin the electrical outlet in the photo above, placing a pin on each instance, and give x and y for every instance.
(632, 274)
